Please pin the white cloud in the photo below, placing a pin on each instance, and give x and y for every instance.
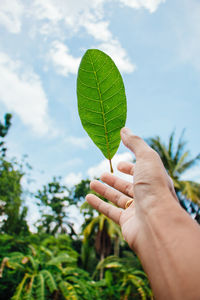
(47, 10)
(151, 5)
(65, 63)
(78, 142)
(193, 174)
(22, 93)
(103, 166)
(99, 30)
(72, 179)
(76, 16)
(11, 12)
(119, 55)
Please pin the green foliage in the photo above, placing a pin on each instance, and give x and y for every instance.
(133, 282)
(13, 221)
(54, 265)
(54, 198)
(4, 127)
(176, 161)
(101, 101)
(81, 190)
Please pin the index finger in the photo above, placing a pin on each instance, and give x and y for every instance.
(110, 211)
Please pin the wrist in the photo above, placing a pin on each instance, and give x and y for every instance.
(168, 246)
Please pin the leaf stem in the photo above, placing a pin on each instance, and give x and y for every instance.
(111, 168)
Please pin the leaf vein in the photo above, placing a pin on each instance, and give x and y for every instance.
(113, 141)
(92, 123)
(89, 86)
(95, 100)
(102, 65)
(114, 118)
(113, 95)
(113, 108)
(99, 135)
(84, 70)
(102, 108)
(91, 110)
(110, 86)
(100, 82)
(114, 129)
(96, 59)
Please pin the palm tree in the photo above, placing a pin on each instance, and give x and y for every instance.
(49, 276)
(104, 231)
(38, 279)
(127, 272)
(177, 162)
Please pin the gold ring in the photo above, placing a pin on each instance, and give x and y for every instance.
(128, 203)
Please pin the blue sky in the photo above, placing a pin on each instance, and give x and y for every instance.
(156, 46)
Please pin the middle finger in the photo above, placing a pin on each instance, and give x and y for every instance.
(119, 184)
(110, 194)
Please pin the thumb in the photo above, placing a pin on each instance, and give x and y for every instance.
(133, 142)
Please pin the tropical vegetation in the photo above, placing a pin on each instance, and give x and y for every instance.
(56, 262)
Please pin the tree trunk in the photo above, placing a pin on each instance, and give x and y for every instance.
(116, 246)
(102, 269)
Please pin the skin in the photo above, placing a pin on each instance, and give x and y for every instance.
(164, 236)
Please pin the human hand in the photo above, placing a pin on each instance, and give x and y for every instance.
(152, 190)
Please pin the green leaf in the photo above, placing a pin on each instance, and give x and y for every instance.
(20, 287)
(40, 288)
(29, 291)
(101, 101)
(49, 280)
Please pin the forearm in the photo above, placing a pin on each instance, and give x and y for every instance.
(168, 246)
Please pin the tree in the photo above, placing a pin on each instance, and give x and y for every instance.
(176, 161)
(12, 213)
(47, 274)
(97, 230)
(128, 273)
(101, 231)
(4, 127)
(53, 201)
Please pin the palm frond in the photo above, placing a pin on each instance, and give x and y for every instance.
(191, 190)
(40, 289)
(3, 265)
(81, 286)
(187, 165)
(49, 280)
(180, 163)
(171, 143)
(114, 229)
(142, 293)
(19, 290)
(68, 291)
(111, 261)
(180, 147)
(29, 292)
(102, 220)
(46, 251)
(90, 228)
(62, 258)
(29, 258)
(161, 149)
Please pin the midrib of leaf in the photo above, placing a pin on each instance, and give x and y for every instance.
(103, 114)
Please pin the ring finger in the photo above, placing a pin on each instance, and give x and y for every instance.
(112, 195)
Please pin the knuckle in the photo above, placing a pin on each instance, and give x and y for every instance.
(127, 189)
